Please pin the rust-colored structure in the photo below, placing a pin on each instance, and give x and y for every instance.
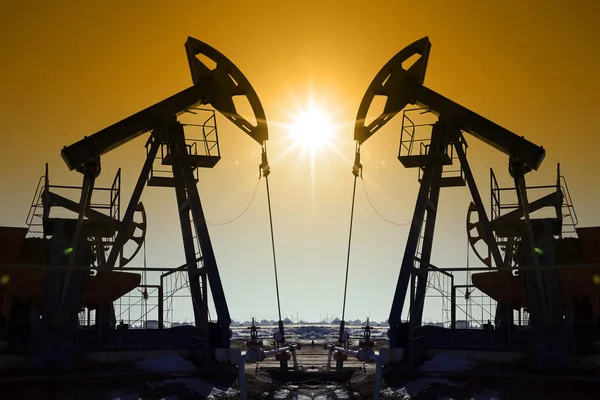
(578, 261)
(27, 283)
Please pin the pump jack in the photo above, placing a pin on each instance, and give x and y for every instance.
(402, 86)
(216, 86)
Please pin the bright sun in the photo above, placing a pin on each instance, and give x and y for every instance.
(311, 128)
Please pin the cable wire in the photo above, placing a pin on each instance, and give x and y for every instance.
(375, 209)
(349, 246)
(273, 246)
(243, 211)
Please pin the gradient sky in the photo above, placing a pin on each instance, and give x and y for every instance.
(68, 70)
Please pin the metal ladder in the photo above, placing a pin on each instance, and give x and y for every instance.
(35, 216)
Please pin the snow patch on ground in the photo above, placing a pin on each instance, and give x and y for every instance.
(486, 395)
(413, 389)
(167, 364)
(199, 387)
(124, 397)
(136, 396)
(329, 392)
(309, 332)
(175, 363)
(442, 363)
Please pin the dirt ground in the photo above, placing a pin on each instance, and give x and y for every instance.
(312, 381)
(261, 385)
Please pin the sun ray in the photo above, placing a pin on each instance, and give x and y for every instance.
(310, 127)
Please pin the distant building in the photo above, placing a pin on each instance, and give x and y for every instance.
(151, 325)
(461, 324)
(438, 324)
(174, 324)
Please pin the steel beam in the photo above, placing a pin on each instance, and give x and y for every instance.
(188, 242)
(482, 128)
(201, 227)
(218, 87)
(130, 128)
(504, 314)
(551, 199)
(427, 244)
(436, 148)
(121, 238)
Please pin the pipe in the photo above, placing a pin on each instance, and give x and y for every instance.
(377, 383)
(365, 355)
(329, 357)
(282, 350)
(368, 355)
(294, 359)
(242, 376)
(353, 353)
(259, 355)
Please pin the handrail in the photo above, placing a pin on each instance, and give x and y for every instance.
(259, 355)
(34, 203)
(205, 135)
(115, 198)
(567, 194)
(408, 132)
(495, 195)
(364, 355)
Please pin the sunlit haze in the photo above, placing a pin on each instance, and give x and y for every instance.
(69, 70)
(311, 128)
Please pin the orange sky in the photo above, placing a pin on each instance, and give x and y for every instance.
(67, 71)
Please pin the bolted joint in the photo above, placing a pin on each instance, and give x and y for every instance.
(365, 354)
(285, 356)
(280, 335)
(357, 167)
(264, 169)
(255, 355)
(517, 167)
(91, 167)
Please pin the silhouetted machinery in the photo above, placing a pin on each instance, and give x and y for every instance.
(69, 247)
(524, 252)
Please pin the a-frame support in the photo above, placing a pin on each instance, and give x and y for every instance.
(443, 134)
(56, 340)
(426, 203)
(215, 86)
(544, 298)
(186, 190)
(185, 174)
(504, 315)
(169, 132)
(106, 314)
